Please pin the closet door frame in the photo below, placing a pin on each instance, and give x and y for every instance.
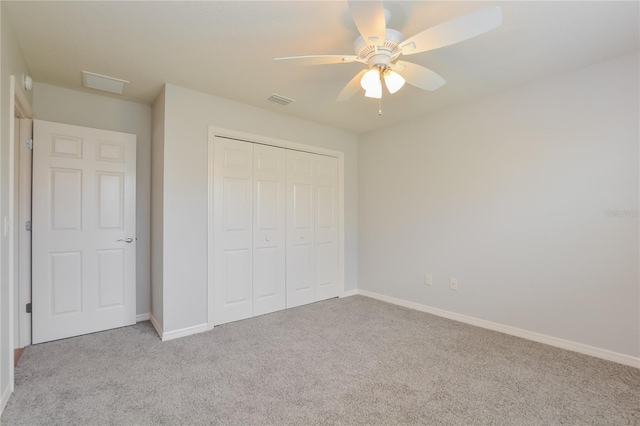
(248, 137)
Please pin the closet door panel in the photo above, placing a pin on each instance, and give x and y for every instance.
(300, 228)
(269, 243)
(233, 229)
(326, 227)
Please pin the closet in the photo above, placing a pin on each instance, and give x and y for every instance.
(275, 229)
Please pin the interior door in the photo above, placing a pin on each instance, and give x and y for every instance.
(233, 230)
(269, 242)
(300, 229)
(326, 227)
(84, 228)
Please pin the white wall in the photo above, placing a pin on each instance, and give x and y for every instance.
(12, 63)
(508, 194)
(67, 106)
(187, 117)
(157, 207)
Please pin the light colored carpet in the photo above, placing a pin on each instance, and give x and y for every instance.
(342, 361)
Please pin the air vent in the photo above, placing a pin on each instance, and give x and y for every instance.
(280, 100)
(102, 82)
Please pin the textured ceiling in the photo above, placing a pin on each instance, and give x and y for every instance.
(226, 48)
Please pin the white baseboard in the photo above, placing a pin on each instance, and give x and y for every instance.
(5, 397)
(143, 317)
(348, 293)
(154, 323)
(518, 332)
(188, 331)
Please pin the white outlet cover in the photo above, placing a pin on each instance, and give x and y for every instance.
(453, 283)
(428, 279)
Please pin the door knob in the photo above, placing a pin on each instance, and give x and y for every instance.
(126, 240)
(267, 239)
(302, 237)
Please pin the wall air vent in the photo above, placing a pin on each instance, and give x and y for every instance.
(280, 100)
(102, 82)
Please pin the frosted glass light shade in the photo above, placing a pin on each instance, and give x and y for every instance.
(394, 81)
(374, 92)
(371, 79)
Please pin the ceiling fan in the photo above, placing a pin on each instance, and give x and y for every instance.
(379, 48)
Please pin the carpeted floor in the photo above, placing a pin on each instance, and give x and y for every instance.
(342, 361)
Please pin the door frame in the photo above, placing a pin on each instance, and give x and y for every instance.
(19, 107)
(22, 110)
(280, 143)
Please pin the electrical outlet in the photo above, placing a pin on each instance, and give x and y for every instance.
(428, 279)
(453, 283)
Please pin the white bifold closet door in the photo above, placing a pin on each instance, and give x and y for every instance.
(275, 229)
(269, 243)
(312, 228)
(326, 227)
(249, 229)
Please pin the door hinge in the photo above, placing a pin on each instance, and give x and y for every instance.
(27, 225)
(30, 144)
(28, 308)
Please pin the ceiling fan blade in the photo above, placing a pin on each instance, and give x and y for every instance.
(370, 20)
(319, 59)
(351, 88)
(453, 31)
(418, 76)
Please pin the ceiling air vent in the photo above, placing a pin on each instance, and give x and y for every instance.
(280, 100)
(102, 82)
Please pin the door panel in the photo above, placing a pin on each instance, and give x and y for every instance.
(269, 244)
(324, 267)
(110, 200)
(111, 277)
(267, 276)
(237, 204)
(66, 282)
(83, 208)
(237, 267)
(300, 229)
(301, 264)
(233, 230)
(326, 227)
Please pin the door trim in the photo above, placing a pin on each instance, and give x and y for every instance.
(280, 143)
(18, 107)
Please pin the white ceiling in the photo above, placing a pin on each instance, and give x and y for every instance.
(226, 48)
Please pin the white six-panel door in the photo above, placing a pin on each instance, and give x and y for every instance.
(269, 229)
(84, 209)
(233, 225)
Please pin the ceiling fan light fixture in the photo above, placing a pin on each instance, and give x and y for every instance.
(374, 92)
(394, 81)
(371, 80)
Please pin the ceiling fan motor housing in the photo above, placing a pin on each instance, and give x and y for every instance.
(382, 55)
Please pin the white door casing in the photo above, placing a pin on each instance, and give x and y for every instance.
(327, 281)
(300, 228)
(24, 235)
(269, 223)
(233, 230)
(84, 210)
